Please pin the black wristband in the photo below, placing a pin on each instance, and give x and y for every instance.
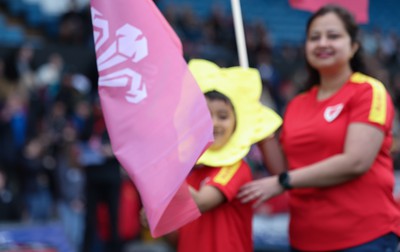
(284, 180)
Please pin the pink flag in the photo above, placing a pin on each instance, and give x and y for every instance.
(359, 8)
(156, 115)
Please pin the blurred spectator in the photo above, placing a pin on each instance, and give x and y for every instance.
(67, 93)
(13, 131)
(20, 67)
(36, 182)
(270, 79)
(129, 210)
(10, 207)
(190, 25)
(49, 73)
(71, 203)
(71, 28)
(55, 123)
(396, 90)
(5, 85)
(221, 26)
(103, 184)
(82, 84)
(55, 8)
(80, 4)
(396, 142)
(82, 118)
(370, 41)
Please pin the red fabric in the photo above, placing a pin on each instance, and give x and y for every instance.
(359, 8)
(129, 224)
(352, 213)
(227, 227)
(275, 205)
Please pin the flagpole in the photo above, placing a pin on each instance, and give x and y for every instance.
(239, 33)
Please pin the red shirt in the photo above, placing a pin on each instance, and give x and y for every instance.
(354, 212)
(228, 227)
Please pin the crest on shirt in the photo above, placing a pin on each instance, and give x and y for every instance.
(332, 112)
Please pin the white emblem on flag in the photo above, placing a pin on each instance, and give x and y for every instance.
(332, 112)
(128, 43)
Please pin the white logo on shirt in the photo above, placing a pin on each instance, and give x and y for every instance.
(332, 112)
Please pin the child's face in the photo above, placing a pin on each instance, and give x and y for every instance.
(224, 121)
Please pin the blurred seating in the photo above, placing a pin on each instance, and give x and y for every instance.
(33, 13)
(285, 24)
(11, 35)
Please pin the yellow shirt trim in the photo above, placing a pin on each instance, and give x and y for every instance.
(226, 173)
(378, 108)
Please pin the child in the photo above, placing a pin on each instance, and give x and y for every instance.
(239, 121)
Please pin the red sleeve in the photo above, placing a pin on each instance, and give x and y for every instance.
(230, 178)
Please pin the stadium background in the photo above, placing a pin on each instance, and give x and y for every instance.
(47, 67)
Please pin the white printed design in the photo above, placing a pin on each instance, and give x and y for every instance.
(332, 112)
(129, 44)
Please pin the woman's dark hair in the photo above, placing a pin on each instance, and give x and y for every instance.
(357, 62)
(215, 95)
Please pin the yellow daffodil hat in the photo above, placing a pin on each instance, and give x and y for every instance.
(254, 121)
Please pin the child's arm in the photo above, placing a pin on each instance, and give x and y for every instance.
(272, 154)
(207, 198)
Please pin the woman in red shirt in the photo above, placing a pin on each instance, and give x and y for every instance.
(336, 137)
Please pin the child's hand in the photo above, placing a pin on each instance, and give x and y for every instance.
(260, 190)
(143, 218)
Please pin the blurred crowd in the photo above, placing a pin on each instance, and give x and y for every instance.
(55, 157)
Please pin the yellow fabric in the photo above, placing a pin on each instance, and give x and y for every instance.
(378, 111)
(226, 173)
(254, 121)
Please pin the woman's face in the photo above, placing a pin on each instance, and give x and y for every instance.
(328, 46)
(224, 121)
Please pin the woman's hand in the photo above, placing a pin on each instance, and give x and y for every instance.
(260, 190)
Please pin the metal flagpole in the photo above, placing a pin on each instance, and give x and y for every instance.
(239, 33)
